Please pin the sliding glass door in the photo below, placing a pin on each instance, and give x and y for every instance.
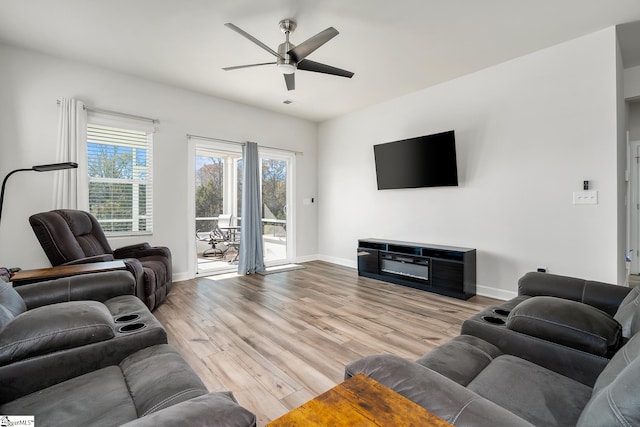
(218, 195)
(275, 172)
(216, 185)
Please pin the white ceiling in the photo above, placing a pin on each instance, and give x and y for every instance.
(393, 47)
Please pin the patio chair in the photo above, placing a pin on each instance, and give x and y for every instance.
(222, 237)
(231, 233)
(216, 239)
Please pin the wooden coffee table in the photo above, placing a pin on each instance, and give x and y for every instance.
(360, 401)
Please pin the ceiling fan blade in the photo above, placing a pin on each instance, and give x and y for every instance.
(317, 67)
(306, 47)
(237, 67)
(253, 39)
(290, 80)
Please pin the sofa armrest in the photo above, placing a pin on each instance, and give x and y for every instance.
(213, 409)
(434, 392)
(568, 323)
(603, 296)
(53, 328)
(94, 286)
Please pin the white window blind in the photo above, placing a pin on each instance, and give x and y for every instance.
(120, 179)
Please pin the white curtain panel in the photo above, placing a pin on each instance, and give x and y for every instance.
(250, 259)
(71, 187)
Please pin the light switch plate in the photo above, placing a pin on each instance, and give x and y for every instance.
(585, 197)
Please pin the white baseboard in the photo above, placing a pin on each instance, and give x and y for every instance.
(496, 293)
(178, 277)
(306, 258)
(339, 261)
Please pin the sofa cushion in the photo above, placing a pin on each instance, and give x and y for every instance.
(165, 382)
(568, 323)
(532, 392)
(59, 327)
(460, 359)
(628, 314)
(97, 398)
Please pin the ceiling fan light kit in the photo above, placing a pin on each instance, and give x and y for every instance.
(290, 57)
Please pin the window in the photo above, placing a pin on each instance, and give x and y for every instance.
(120, 179)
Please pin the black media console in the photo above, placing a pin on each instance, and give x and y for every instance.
(445, 270)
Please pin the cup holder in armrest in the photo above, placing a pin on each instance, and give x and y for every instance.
(127, 318)
(131, 327)
(494, 320)
(501, 311)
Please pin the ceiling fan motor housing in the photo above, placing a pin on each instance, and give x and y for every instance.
(286, 65)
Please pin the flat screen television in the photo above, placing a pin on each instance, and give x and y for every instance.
(425, 161)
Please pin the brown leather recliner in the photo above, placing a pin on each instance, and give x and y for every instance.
(75, 237)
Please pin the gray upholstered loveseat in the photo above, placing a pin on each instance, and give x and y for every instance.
(522, 380)
(84, 351)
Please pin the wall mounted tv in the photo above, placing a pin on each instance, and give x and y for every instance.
(425, 161)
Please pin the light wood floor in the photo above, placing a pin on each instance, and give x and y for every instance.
(279, 340)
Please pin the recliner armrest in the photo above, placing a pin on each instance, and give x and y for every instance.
(53, 328)
(603, 296)
(94, 286)
(213, 409)
(434, 392)
(130, 250)
(141, 251)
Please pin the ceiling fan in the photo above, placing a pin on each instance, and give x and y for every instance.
(290, 57)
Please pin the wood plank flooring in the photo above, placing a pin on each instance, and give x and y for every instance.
(279, 340)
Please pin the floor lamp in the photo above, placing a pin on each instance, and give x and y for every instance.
(37, 168)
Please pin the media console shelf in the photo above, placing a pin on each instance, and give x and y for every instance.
(446, 270)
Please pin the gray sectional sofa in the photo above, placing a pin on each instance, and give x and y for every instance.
(84, 351)
(152, 387)
(560, 365)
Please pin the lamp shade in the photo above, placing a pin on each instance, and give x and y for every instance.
(54, 166)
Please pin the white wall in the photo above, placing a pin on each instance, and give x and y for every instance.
(623, 186)
(634, 121)
(528, 133)
(30, 84)
(632, 82)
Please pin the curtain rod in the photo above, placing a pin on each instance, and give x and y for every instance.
(117, 113)
(208, 138)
